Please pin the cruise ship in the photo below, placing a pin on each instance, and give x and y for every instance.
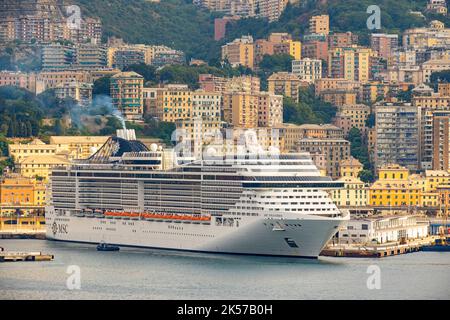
(129, 195)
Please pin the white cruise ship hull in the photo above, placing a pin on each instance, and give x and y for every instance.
(292, 236)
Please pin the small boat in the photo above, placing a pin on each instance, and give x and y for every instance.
(107, 247)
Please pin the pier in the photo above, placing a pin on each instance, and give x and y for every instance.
(32, 227)
(24, 256)
(375, 251)
(23, 234)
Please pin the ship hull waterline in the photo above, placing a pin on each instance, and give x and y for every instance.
(304, 236)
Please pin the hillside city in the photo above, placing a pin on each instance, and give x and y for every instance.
(374, 115)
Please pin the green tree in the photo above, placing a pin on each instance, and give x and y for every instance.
(405, 96)
(271, 64)
(58, 128)
(8, 162)
(4, 150)
(145, 70)
(440, 76)
(101, 86)
(309, 109)
(111, 126)
(358, 148)
(366, 176)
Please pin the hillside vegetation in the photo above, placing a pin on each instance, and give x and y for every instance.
(175, 23)
(180, 24)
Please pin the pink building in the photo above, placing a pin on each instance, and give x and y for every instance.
(220, 26)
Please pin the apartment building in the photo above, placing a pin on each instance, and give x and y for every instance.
(308, 70)
(342, 40)
(397, 135)
(127, 94)
(351, 63)
(352, 116)
(319, 24)
(385, 45)
(284, 83)
(239, 52)
(80, 92)
(326, 153)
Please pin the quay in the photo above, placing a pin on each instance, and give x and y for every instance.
(376, 251)
(24, 256)
(22, 227)
(23, 234)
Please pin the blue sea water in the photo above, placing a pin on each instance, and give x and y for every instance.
(159, 274)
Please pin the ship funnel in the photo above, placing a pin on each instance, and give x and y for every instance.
(127, 134)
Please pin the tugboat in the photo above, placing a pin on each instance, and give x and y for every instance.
(107, 247)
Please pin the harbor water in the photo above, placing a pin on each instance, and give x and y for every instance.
(158, 274)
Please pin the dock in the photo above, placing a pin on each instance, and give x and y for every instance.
(6, 256)
(375, 251)
(23, 234)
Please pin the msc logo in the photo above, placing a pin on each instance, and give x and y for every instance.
(59, 228)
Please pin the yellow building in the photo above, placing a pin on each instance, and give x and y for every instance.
(239, 52)
(285, 84)
(18, 192)
(40, 166)
(19, 151)
(394, 188)
(354, 194)
(174, 102)
(430, 184)
(320, 24)
(350, 168)
(71, 147)
(351, 63)
(78, 147)
(295, 49)
(436, 178)
(374, 91)
(356, 114)
(241, 109)
(339, 98)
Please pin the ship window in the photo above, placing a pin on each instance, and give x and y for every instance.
(291, 243)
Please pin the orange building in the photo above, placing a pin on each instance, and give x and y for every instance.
(18, 192)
